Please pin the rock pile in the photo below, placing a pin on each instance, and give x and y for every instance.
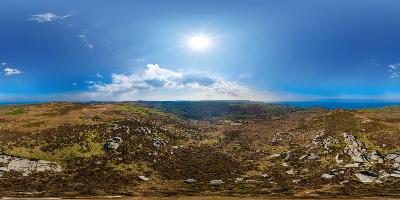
(113, 143)
(25, 166)
(355, 149)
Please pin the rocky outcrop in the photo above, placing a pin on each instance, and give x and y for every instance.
(26, 166)
(375, 156)
(367, 177)
(113, 143)
(216, 182)
(321, 140)
(355, 149)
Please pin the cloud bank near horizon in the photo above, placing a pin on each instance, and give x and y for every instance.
(161, 83)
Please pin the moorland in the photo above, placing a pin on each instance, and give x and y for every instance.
(205, 148)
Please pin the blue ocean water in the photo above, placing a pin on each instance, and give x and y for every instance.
(17, 103)
(337, 104)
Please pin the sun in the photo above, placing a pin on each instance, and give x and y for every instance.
(199, 43)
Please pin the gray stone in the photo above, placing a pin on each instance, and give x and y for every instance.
(338, 160)
(355, 165)
(143, 178)
(355, 149)
(313, 156)
(277, 155)
(328, 176)
(367, 177)
(290, 172)
(113, 143)
(26, 166)
(239, 180)
(376, 156)
(391, 156)
(216, 182)
(190, 180)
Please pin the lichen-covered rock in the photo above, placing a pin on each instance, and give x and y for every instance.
(367, 177)
(328, 176)
(376, 157)
(355, 149)
(113, 143)
(26, 166)
(216, 182)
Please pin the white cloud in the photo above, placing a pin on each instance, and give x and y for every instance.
(394, 70)
(98, 75)
(394, 75)
(74, 84)
(47, 17)
(11, 71)
(84, 38)
(245, 76)
(394, 66)
(159, 83)
(4, 64)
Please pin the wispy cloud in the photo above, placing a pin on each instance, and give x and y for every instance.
(47, 17)
(394, 70)
(10, 71)
(161, 83)
(245, 76)
(84, 38)
(98, 75)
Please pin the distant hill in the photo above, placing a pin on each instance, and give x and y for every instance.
(231, 109)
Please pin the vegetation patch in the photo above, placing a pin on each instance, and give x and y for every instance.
(143, 111)
(17, 111)
(63, 110)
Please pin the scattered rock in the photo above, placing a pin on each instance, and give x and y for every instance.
(277, 155)
(190, 181)
(355, 165)
(302, 157)
(391, 156)
(313, 156)
(295, 181)
(239, 180)
(338, 160)
(113, 143)
(376, 156)
(355, 149)
(367, 177)
(396, 165)
(285, 165)
(290, 172)
(158, 143)
(328, 176)
(216, 182)
(143, 178)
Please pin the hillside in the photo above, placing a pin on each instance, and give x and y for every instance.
(197, 148)
(226, 109)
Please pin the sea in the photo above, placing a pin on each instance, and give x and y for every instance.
(18, 102)
(328, 104)
(340, 104)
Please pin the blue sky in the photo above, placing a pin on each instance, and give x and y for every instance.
(260, 50)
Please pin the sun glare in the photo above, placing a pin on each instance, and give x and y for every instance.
(199, 42)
